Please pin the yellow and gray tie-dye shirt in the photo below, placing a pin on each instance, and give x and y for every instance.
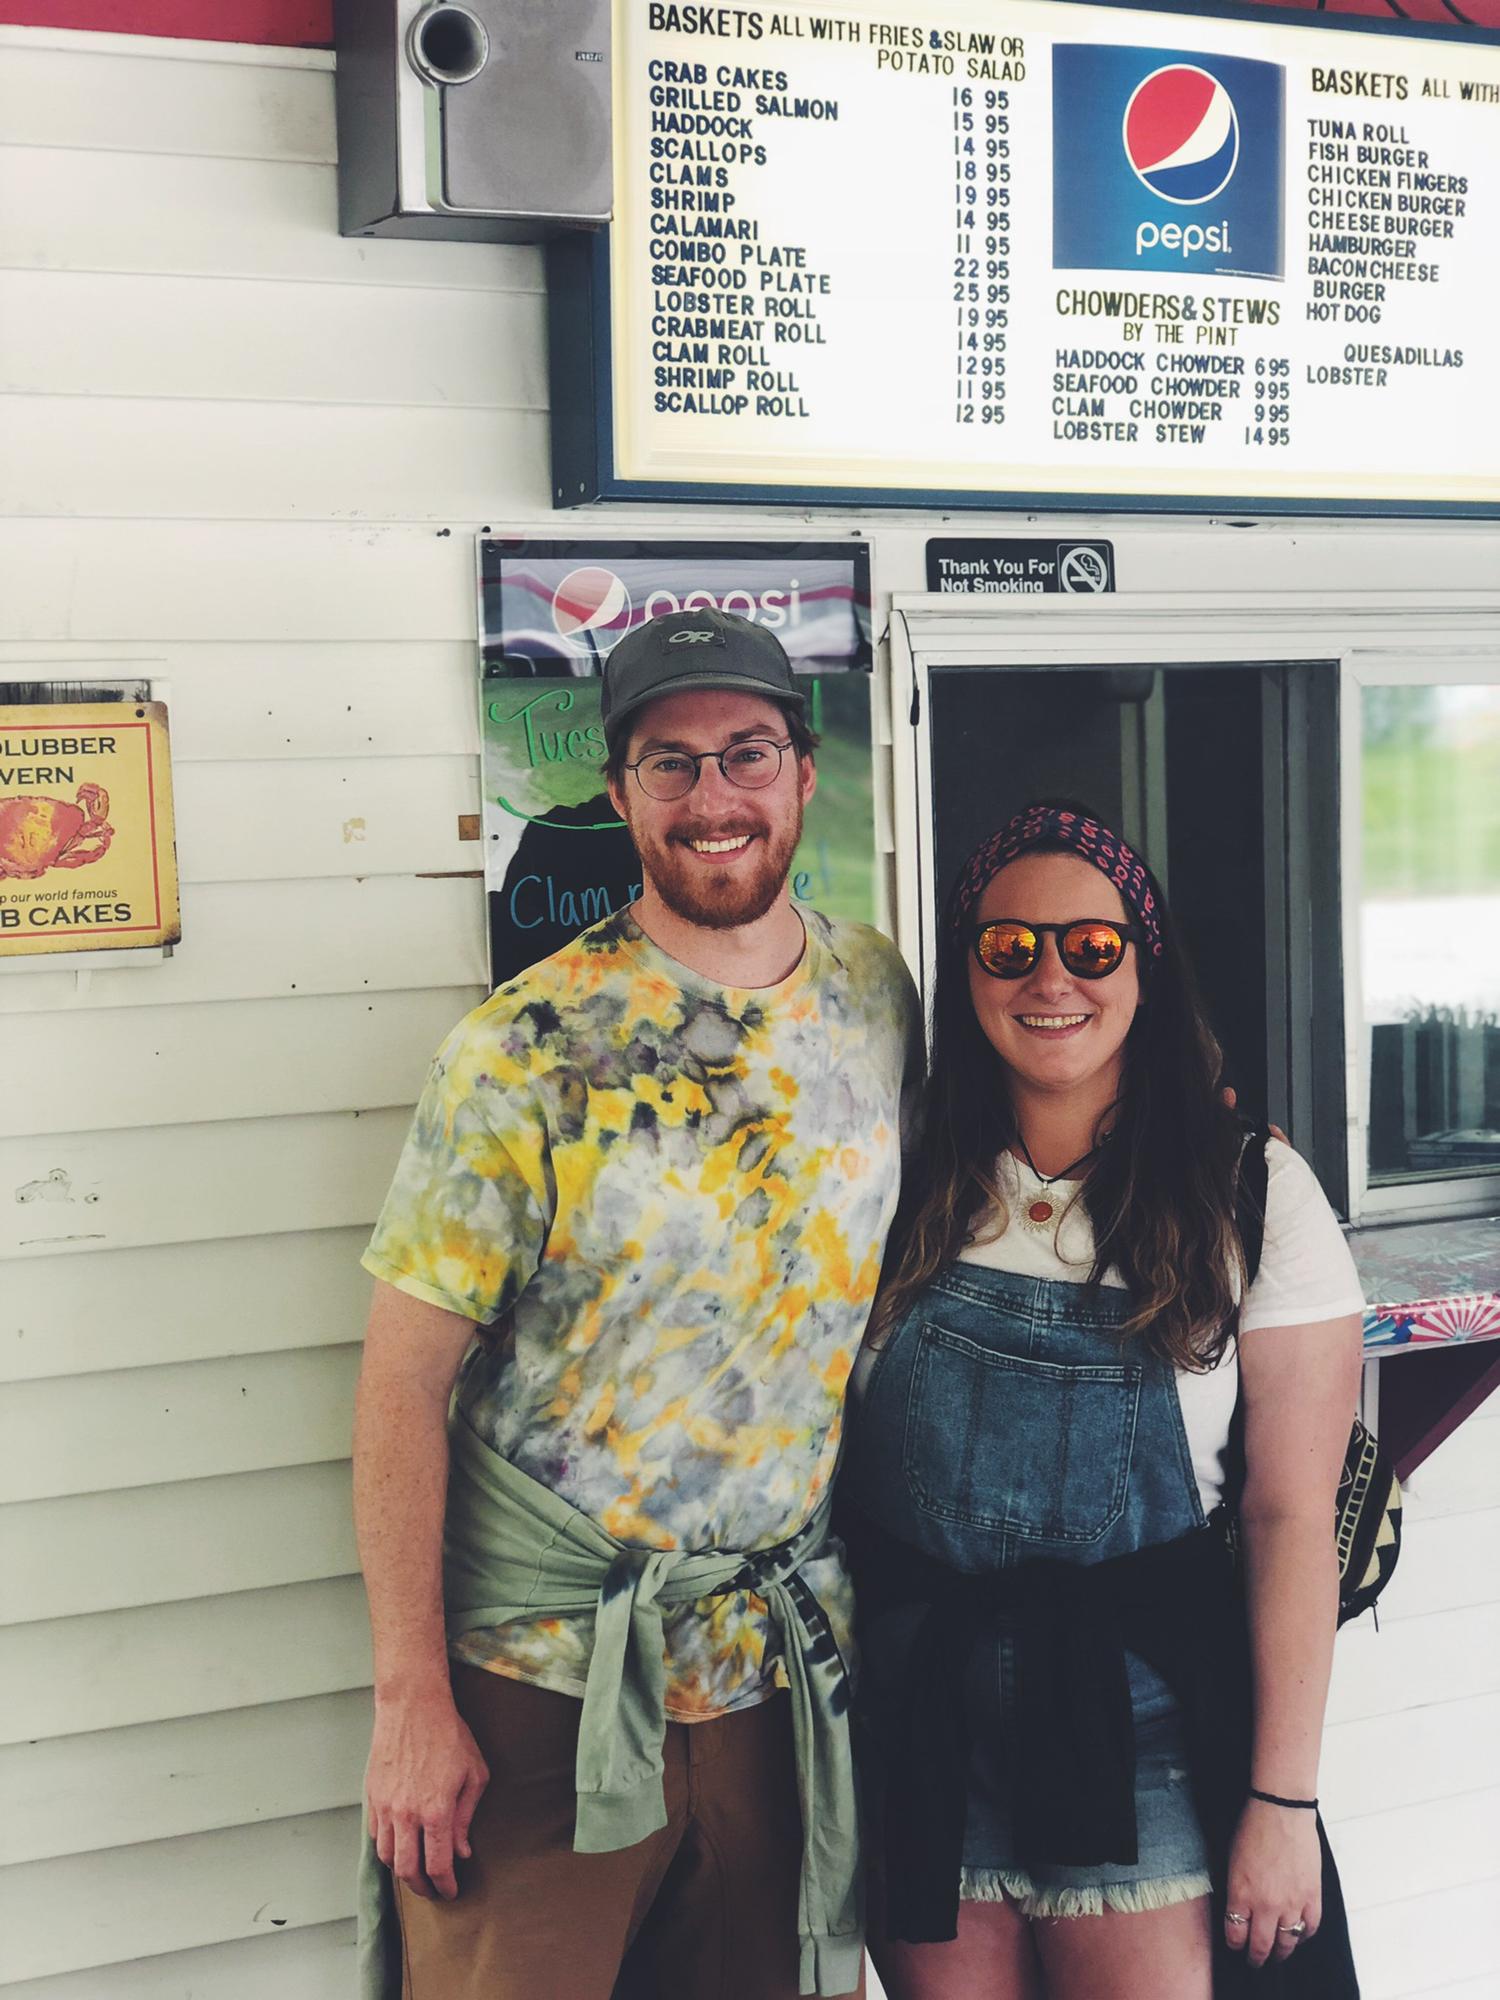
(666, 1201)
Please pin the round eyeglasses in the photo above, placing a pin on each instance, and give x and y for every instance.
(1091, 948)
(672, 774)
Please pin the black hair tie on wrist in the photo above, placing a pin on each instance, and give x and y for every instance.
(1270, 1799)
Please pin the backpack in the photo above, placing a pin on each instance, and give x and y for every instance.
(1367, 1509)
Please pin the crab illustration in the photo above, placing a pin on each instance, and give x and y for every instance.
(41, 833)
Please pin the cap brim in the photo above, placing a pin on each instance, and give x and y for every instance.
(703, 684)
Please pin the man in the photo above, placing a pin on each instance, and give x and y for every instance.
(656, 1173)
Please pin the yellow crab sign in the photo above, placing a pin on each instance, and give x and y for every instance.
(87, 855)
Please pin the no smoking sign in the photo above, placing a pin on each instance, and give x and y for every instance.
(1021, 566)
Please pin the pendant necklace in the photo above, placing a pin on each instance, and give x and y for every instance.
(1040, 1214)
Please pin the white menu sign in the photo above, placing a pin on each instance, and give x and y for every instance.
(1049, 250)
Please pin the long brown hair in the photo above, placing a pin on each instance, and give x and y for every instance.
(1161, 1194)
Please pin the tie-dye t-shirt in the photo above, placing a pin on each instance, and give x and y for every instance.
(666, 1201)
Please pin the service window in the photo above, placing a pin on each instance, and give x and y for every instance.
(1319, 789)
(1422, 923)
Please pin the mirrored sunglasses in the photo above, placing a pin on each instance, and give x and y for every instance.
(1090, 948)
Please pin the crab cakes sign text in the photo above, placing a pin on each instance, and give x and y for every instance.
(87, 860)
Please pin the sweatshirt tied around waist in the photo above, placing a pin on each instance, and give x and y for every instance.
(1069, 1753)
(514, 1549)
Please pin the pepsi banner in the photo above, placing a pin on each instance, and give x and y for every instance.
(557, 856)
(1060, 254)
(550, 607)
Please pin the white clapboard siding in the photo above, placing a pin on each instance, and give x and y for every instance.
(1420, 1944)
(196, 1538)
(227, 1059)
(1418, 1849)
(370, 700)
(313, 1964)
(162, 1895)
(108, 581)
(63, 90)
(1462, 1474)
(185, 1420)
(187, 1183)
(264, 940)
(250, 456)
(1447, 1560)
(273, 822)
(375, 345)
(163, 1660)
(1448, 1656)
(66, 210)
(181, 1302)
(137, 457)
(237, 702)
(1383, 1761)
(160, 1780)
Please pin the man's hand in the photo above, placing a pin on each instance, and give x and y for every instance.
(425, 1778)
(426, 1774)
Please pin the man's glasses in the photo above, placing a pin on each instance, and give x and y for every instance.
(672, 774)
(1090, 948)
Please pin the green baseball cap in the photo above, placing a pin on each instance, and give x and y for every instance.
(686, 652)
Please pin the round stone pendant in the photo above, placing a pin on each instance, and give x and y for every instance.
(1039, 1214)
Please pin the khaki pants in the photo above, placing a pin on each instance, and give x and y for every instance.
(706, 1909)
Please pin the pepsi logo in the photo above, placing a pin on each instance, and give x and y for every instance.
(1182, 134)
(591, 600)
(592, 608)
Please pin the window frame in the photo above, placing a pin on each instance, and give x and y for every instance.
(1357, 633)
(1414, 1200)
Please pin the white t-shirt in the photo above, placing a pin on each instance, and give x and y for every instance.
(1306, 1275)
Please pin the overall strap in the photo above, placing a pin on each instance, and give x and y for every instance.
(1250, 1198)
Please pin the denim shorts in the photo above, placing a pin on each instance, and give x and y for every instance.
(1172, 1864)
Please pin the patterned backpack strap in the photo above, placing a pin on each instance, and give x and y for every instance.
(1367, 1523)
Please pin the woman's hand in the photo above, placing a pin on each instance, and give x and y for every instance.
(1275, 1881)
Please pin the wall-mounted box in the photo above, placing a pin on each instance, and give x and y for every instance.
(484, 122)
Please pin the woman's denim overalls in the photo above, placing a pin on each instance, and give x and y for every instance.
(1003, 1421)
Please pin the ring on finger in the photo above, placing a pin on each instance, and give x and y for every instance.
(1234, 1917)
(1293, 1930)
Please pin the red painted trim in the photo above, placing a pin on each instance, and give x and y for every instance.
(281, 23)
(309, 23)
(1425, 1402)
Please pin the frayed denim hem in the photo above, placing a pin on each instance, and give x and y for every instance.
(993, 1885)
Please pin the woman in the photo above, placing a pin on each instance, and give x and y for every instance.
(1096, 1741)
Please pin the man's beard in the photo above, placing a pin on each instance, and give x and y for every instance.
(721, 899)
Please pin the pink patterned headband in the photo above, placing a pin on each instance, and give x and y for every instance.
(1087, 838)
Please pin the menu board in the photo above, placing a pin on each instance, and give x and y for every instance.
(1045, 251)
